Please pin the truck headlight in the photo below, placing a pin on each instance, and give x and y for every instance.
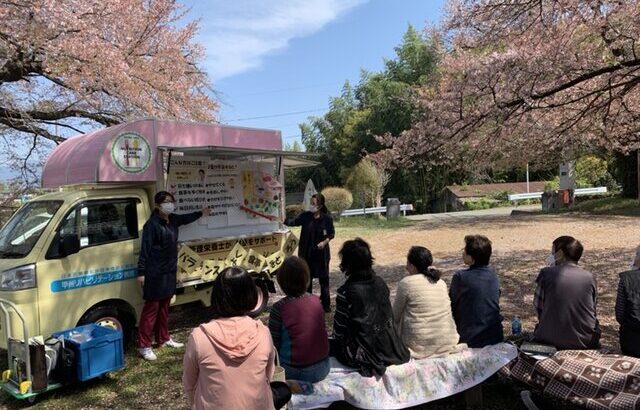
(22, 277)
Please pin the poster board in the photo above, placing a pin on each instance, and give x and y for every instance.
(244, 196)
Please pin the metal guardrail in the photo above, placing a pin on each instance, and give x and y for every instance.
(528, 195)
(577, 192)
(381, 209)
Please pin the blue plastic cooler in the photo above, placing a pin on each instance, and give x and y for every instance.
(99, 349)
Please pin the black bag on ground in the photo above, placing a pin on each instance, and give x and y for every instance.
(64, 370)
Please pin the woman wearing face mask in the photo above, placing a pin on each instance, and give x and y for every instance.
(157, 268)
(317, 231)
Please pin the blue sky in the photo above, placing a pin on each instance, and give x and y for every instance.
(270, 58)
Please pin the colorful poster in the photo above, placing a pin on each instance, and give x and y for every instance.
(238, 193)
(262, 194)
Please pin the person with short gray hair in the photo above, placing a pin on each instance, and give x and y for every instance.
(565, 300)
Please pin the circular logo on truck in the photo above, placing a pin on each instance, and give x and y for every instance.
(131, 152)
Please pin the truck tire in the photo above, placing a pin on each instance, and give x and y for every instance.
(110, 316)
(263, 300)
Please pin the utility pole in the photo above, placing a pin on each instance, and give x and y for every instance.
(528, 178)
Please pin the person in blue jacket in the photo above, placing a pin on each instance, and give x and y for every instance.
(317, 231)
(157, 267)
(475, 295)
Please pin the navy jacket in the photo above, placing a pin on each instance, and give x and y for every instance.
(158, 260)
(313, 232)
(475, 295)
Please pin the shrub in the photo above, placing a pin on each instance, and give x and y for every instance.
(553, 184)
(502, 196)
(291, 211)
(479, 204)
(337, 199)
(367, 183)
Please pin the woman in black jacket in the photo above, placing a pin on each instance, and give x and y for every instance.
(628, 308)
(365, 337)
(157, 267)
(317, 231)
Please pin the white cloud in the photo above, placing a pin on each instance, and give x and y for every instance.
(239, 34)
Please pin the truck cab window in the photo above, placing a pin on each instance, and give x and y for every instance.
(98, 222)
(106, 221)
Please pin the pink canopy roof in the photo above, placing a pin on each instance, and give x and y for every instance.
(89, 158)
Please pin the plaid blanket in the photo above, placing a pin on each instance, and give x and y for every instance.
(585, 378)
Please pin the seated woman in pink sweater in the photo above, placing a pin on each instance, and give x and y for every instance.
(229, 361)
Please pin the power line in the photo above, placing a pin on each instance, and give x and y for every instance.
(277, 115)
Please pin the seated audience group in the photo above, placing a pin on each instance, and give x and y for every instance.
(231, 358)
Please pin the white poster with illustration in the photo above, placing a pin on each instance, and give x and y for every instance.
(239, 193)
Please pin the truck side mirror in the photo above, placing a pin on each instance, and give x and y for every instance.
(69, 244)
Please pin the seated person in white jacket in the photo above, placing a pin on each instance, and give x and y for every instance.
(422, 309)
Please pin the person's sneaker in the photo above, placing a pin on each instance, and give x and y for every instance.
(147, 353)
(173, 343)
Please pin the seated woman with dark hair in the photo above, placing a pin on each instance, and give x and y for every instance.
(229, 361)
(364, 335)
(475, 295)
(297, 325)
(422, 309)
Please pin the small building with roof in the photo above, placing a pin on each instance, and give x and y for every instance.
(454, 197)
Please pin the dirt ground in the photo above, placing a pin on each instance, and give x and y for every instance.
(521, 245)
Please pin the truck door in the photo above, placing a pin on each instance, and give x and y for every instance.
(94, 282)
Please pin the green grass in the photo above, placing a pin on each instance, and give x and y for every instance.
(354, 226)
(366, 224)
(140, 385)
(614, 205)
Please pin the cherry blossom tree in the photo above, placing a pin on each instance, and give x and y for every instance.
(67, 66)
(528, 80)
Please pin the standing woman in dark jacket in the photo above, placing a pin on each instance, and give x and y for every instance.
(157, 268)
(317, 231)
(365, 337)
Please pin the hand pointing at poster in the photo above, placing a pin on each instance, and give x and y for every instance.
(206, 211)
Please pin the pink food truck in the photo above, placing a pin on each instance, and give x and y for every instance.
(70, 257)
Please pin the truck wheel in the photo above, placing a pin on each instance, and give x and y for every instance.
(109, 316)
(263, 299)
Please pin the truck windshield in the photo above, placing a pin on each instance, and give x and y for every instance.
(23, 230)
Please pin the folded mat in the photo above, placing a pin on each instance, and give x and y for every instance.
(409, 384)
(586, 378)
